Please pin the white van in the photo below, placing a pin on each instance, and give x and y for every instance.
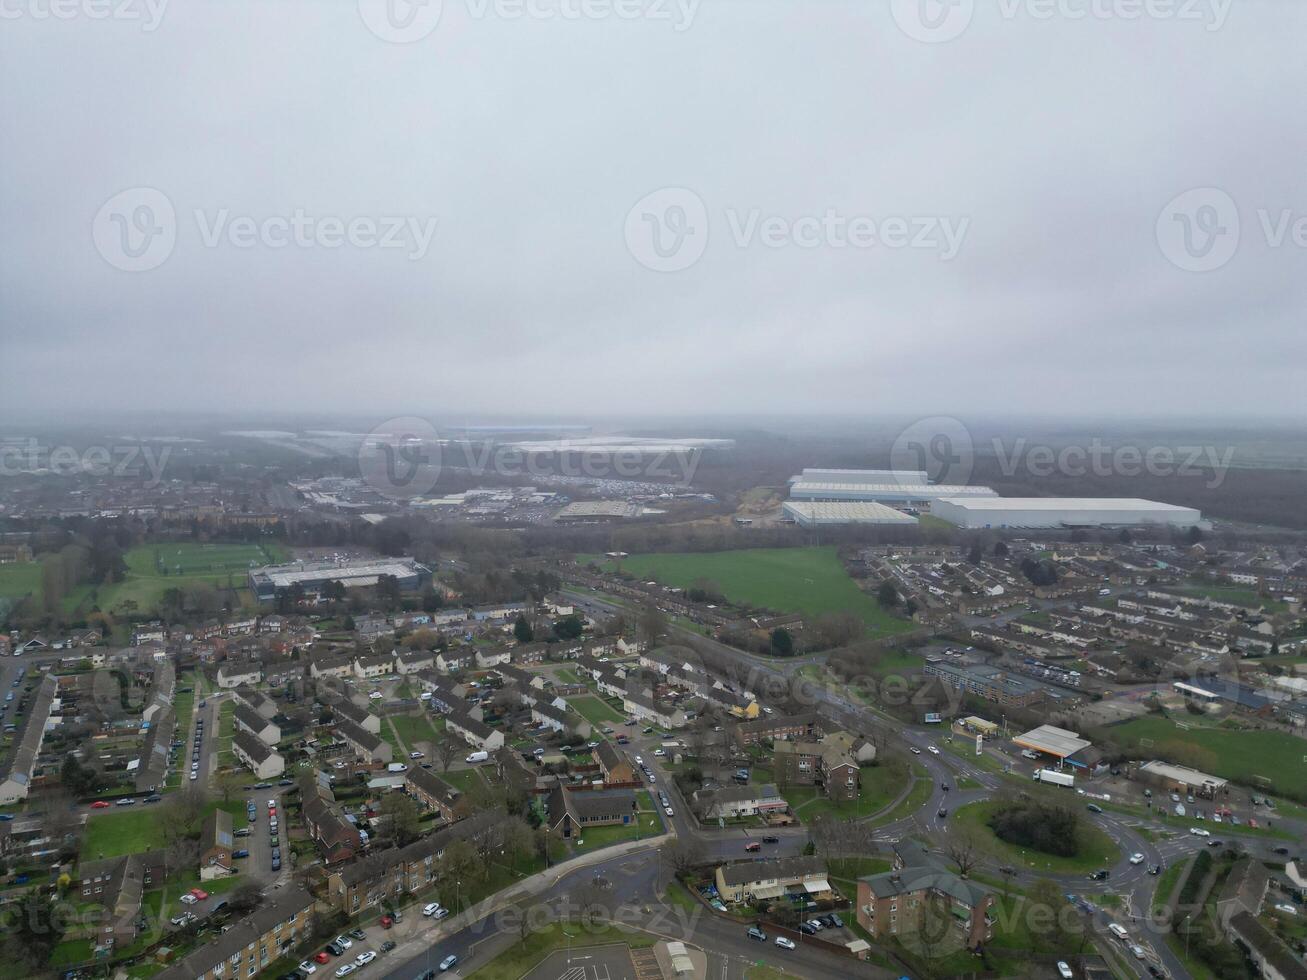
(1118, 931)
(481, 756)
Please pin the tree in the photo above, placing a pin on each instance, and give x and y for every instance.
(1000, 549)
(522, 630)
(963, 847)
(887, 595)
(782, 642)
(569, 628)
(446, 751)
(976, 554)
(36, 931)
(651, 626)
(402, 820)
(229, 784)
(247, 897)
(683, 854)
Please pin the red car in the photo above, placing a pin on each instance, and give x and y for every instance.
(754, 846)
(272, 811)
(200, 894)
(387, 922)
(322, 957)
(99, 805)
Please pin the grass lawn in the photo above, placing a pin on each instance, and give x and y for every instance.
(677, 894)
(1096, 848)
(595, 711)
(517, 961)
(1258, 758)
(880, 785)
(1232, 593)
(20, 579)
(133, 830)
(413, 729)
(152, 569)
(462, 779)
(569, 676)
(1166, 884)
(917, 797)
(226, 730)
(596, 837)
(811, 581)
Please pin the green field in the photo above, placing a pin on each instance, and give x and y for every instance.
(1233, 593)
(810, 581)
(595, 711)
(133, 830)
(1239, 755)
(20, 579)
(1096, 849)
(153, 569)
(880, 786)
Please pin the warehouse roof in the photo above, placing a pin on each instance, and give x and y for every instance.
(1052, 740)
(926, 490)
(846, 511)
(1060, 503)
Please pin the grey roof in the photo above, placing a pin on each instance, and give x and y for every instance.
(355, 713)
(250, 718)
(433, 844)
(921, 872)
(747, 872)
(27, 743)
(279, 907)
(428, 782)
(154, 753)
(252, 746)
(358, 735)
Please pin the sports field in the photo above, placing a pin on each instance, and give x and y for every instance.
(811, 581)
(19, 579)
(152, 569)
(1280, 759)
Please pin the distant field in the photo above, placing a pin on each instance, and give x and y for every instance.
(20, 579)
(810, 581)
(1232, 593)
(1239, 755)
(153, 569)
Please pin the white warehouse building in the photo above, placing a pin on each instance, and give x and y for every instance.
(918, 495)
(1054, 512)
(833, 513)
(811, 475)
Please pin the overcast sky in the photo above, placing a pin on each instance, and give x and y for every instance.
(978, 218)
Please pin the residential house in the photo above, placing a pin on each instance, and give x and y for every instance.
(152, 766)
(613, 763)
(249, 720)
(370, 667)
(476, 733)
(753, 881)
(117, 885)
(336, 837)
(216, 845)
(370, 748)
(559, 720)
(16, 771)
(654, 712)
(920, 889)
(260, 703)
(260, 757)
(432, 792)
(739, 801)
(341, 665)
(359, 715)
(233, 675)
(412, 661)
(253, 943)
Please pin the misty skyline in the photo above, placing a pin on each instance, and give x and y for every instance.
(711, 209)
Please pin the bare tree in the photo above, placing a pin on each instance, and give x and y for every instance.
(683, 854)
(446, 752)
(964, 848)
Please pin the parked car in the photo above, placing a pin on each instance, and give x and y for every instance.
(363, 959)
(1064, 970)
(344, 942)
(758, 934)
(448, 962)
(753, 846)
(346, 970)
(306, 967)
(388, 945)
(237, 855)
(321, 957)
(100, 805)
(431, 909)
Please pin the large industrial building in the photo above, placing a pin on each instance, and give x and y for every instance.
(812, 513)
(907, 494)
(273, 580)
(811, 475)
(971, 511)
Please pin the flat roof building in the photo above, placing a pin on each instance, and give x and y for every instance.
(832, 513)
(1050, 740)
(816, 475)
(922, 494)
(273, 580)
(971, 511)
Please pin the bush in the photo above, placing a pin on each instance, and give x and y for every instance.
(1028, 823)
